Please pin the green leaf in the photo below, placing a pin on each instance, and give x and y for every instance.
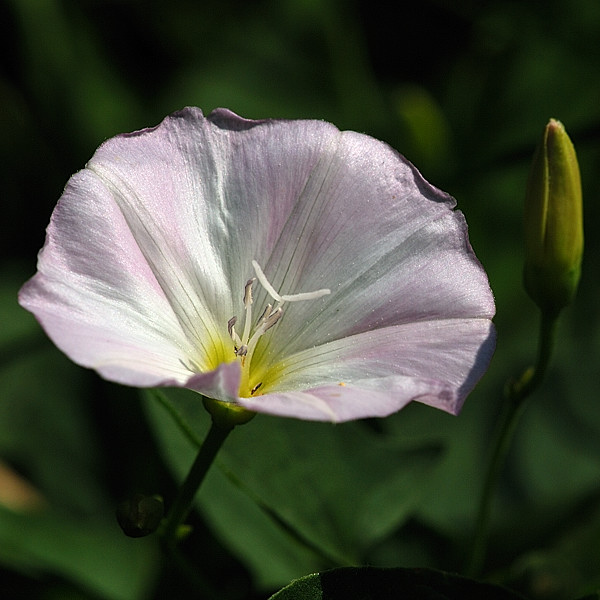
(370, 583)
(333, 490)
(90, 551)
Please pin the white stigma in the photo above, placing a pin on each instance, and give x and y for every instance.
(285, 297)
(244, 346)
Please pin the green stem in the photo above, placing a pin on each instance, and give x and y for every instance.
(523, 388)
(183, 502)
(517, 395)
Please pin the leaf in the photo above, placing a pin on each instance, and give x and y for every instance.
(333, 490)
(370, 583)
(91, 552)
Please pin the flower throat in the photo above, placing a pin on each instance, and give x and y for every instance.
(245, 344)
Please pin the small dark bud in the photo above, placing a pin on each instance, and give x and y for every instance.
(140, 515)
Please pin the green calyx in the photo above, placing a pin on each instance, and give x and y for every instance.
(226, 415)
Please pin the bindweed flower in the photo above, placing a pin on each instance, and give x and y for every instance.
(553, 222)
(283, 266)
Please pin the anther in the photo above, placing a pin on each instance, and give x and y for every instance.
(233, 333)
(248, 292)
(241, 351)
(272, 319)
(265, 314)
(255, 388)
(230, 325)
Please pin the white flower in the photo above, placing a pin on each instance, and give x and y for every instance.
(284, 266)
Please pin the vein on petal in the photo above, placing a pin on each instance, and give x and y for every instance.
(172, 296)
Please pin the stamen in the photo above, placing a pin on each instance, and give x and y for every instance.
(230, 328)
(232, 332)
(248, 292)
(241, 351)
(245, 345)
(271, 319)
(263, 328)
(265, 314)
(248, 307)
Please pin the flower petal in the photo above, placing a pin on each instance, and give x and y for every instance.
(97, 297)
(386, 242)
(150, 245)
(221, 384)
(378, 372)
(130, 281)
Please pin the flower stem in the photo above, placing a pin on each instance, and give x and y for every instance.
(517, 395)
(183, 502)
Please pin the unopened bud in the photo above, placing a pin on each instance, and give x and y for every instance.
(140, 515)
(553, 222)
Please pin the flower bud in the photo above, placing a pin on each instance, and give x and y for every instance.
(553, 222)
(140, 515)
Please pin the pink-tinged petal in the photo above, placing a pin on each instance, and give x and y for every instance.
(337, 403)
(214, 192)
(97, 297)
(386, 242)
(378, 372)
(221, 384)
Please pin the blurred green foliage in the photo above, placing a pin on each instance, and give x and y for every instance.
(463, 89)
(384, 584)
